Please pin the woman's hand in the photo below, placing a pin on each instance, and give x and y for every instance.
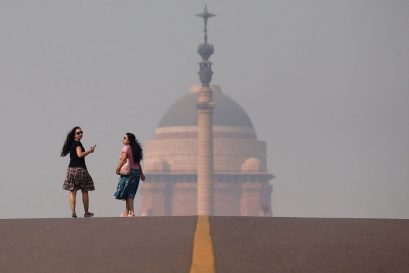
(142, 177)
(117, 171)
(91, 149)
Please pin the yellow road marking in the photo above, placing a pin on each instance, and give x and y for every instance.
(203, 258)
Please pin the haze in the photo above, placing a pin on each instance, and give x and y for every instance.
(325, 84)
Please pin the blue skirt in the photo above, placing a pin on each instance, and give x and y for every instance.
(128, 185)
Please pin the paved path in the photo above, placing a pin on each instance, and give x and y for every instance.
(97, 245)
(224, 244)
(302, 245)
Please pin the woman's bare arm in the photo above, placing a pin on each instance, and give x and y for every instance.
(122, 161)
(81, 154)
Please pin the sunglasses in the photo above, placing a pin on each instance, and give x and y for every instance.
(79, 133)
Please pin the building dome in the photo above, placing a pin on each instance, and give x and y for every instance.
(252, 165)
(226, 113)
(175, 140)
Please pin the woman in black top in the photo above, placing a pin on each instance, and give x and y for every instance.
(77, 177)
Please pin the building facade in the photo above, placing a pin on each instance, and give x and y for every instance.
(240, 181)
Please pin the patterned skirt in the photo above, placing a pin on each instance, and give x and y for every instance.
(127, 185)
(78, 179)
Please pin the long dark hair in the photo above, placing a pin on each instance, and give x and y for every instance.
(68, 141)
(137, 153)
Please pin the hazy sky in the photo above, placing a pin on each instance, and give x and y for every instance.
(325, 84)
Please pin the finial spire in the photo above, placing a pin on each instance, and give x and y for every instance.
(205, 15)
(205, 50)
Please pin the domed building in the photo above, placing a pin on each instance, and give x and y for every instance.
(240, 181)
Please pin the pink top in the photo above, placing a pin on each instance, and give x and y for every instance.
(128, 151)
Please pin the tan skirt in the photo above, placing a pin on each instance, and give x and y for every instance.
(78, 179)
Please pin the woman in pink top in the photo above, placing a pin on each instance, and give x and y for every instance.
(128, 184)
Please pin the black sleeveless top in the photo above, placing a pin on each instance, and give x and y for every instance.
(75, 161)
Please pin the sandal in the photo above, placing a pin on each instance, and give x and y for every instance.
(88, 214)
(74, 215)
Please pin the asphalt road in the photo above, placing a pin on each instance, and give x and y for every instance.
(240, 244)
(97, 245)
(303, 245)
